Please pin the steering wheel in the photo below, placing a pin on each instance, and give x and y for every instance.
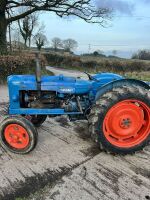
(90, 77)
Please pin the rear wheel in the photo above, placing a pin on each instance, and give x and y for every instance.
(18, 135)
(37, 120)
(120, 120)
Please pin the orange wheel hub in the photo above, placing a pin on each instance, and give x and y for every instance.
(127, 123)
(16, 136)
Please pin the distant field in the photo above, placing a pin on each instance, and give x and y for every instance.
(141, 75)
(138, 69)
(99, 59)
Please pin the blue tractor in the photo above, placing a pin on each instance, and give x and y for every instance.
(117, 109)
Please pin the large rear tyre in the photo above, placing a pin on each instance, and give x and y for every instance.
(18, 135)
(120, 120)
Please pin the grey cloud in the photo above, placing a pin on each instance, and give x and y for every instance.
(120, 6)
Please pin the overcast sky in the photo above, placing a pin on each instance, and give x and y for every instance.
(127, 32)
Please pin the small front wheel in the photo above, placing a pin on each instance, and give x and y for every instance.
(18, 135)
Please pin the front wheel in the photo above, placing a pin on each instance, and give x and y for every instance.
(18, 135)
(120, 120)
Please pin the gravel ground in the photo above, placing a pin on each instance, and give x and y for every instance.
(72, 73)
(3, 93)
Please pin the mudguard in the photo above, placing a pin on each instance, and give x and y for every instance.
(120, 83)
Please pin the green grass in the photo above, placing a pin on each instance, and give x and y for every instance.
(139, 75)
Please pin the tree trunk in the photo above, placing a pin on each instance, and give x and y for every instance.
(3, 29)
(25, 43)
(29, 42)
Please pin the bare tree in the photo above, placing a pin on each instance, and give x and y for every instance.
(33, 24)
(24, 28)
(99, 53)
(27, 26)
(56, 43)
(142, 55)
(114, 52)
(84, 9)
(40, 40)
(70, 44)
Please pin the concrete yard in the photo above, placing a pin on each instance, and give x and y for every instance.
(3, 93)
(67, 165)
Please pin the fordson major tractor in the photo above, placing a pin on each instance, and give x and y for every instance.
(117, 109)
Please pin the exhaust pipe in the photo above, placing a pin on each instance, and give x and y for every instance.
(38, 73)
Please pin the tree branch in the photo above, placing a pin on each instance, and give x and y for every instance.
(83, 9)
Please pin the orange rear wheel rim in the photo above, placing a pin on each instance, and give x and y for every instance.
(127, 123)
(16, 136)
